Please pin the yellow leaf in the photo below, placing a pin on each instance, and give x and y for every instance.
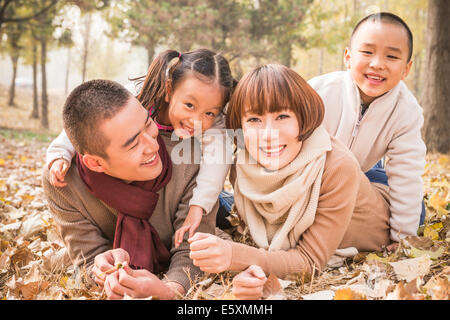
(63, 281)
(436, 201)
(23, 159)
(430, 232)
(443, 160)
(348, 294)
(374, 257)
(227, 296)
(2, 162)
(434, 255)
(27, 198)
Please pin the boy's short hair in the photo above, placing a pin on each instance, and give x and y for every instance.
(387, 17)
(87, 106)
(274, 88)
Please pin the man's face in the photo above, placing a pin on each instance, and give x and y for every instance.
(378, 58)
(133, 148)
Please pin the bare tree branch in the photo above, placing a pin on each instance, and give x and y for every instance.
(22, 19)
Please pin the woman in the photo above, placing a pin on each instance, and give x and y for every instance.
(301, 192)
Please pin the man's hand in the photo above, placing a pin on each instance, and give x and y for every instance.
(57, 172)
(105, 264)
(210, 253)
(249, 284)
(139, 284)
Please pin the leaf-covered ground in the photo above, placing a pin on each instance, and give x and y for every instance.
(34, 262)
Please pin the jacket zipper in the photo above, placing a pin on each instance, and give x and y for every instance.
(358, 125)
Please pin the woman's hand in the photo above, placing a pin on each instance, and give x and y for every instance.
(249, 284)
(210, 253)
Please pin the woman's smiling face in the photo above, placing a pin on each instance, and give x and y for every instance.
(272, 138)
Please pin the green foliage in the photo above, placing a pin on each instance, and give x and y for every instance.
(308, 35)
(26, 135)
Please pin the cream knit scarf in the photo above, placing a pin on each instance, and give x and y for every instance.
(278, 206)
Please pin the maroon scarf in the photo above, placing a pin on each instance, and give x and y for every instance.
(135, 203)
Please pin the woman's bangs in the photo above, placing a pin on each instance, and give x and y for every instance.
(266, 94)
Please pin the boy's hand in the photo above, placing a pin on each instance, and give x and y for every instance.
(58, 170)
(249, 284)
(191, 223)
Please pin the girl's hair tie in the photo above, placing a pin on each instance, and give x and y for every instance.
(171, 63)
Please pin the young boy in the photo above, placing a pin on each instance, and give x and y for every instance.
(370, 109)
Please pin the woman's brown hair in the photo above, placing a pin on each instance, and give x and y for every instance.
(274, 88)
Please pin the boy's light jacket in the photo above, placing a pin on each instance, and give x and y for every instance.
(390, 127)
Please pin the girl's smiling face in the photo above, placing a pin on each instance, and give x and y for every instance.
(194, 104)
(272, 138)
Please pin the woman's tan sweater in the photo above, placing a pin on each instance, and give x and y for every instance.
(351, 212)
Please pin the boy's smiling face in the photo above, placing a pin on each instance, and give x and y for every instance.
(378, 58)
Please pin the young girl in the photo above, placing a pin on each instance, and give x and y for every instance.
(185, 93)
(303, 197)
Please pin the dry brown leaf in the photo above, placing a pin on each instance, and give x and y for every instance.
(438, 288)
(30, 290)
(406, 292)
(22, 256)
(410, 269)
(31, 226)
(5, 258)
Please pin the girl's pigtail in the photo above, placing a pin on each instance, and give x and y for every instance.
(153, 90)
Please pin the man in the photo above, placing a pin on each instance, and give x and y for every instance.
(122, 188)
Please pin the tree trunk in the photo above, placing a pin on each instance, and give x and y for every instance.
(44, 119)
(150, 54)
(322, 52)
(87, 37)
(66, 86)
(12, 88)
(286, 54)
(437, 86)
(417, 75)
(35, 112)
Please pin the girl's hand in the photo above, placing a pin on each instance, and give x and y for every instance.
(210, 253)
(58, 170)
(249, 284)
(191, 224)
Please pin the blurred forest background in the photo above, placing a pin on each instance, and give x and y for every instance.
(48, 47)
